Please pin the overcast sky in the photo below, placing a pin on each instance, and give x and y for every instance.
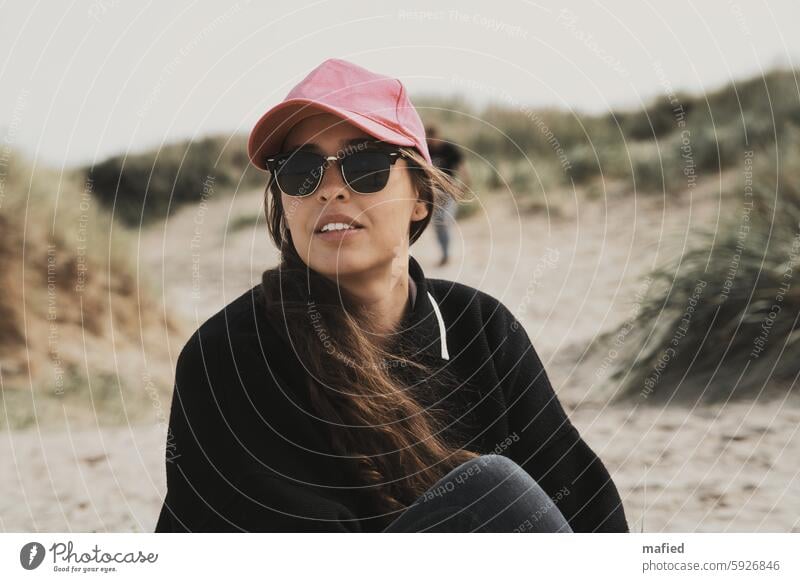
(85, 80)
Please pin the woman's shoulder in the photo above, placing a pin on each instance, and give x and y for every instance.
(241, 322)
(237, 354)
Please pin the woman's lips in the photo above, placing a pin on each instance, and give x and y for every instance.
(339, 235)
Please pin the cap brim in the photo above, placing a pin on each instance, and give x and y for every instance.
(266, 137)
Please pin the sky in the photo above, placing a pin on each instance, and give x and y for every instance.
(82, 81)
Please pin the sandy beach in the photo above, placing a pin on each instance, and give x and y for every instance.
(568, 274)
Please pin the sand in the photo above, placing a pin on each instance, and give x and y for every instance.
(568, 275)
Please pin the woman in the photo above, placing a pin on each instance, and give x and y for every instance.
(348, 392)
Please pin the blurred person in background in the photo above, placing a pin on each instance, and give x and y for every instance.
(448, 158)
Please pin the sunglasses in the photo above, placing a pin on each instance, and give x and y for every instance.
(365, 171)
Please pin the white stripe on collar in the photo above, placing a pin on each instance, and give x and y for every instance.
(442, 329)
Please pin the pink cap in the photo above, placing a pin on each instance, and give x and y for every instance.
(376, 104)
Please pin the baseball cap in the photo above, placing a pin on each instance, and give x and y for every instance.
(376, 104)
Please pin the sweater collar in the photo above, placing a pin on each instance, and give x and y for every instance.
(422, 320)
(422, 328)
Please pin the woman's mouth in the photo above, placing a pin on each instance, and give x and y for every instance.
(335, 232)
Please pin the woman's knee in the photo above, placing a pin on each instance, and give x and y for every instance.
(487, 493)
(493, 467)
(520, 504)
(498, 476)
(497, 463)
(487, 473)
(501, 496)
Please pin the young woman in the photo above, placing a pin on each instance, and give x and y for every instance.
(348, 392)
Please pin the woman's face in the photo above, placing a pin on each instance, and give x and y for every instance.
(386, 215)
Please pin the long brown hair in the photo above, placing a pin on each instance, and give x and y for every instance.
(389, 441)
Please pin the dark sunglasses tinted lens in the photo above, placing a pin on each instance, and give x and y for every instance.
(367, 172)
(300, 173)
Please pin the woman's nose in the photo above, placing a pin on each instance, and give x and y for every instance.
(332, 185)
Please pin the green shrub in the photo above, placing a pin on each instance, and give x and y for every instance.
(147, 187)
(584, 164)
(720, 322)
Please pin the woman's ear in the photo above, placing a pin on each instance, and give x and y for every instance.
(420, 209)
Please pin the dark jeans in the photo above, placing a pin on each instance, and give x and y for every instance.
(490, 493)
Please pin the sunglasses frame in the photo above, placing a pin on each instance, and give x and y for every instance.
(273, 164)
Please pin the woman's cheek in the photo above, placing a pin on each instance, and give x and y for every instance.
(391, 238)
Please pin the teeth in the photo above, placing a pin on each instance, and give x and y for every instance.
(336, 226)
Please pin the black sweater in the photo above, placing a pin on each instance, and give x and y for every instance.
(244, 452)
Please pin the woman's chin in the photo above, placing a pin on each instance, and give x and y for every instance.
(342, 263)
